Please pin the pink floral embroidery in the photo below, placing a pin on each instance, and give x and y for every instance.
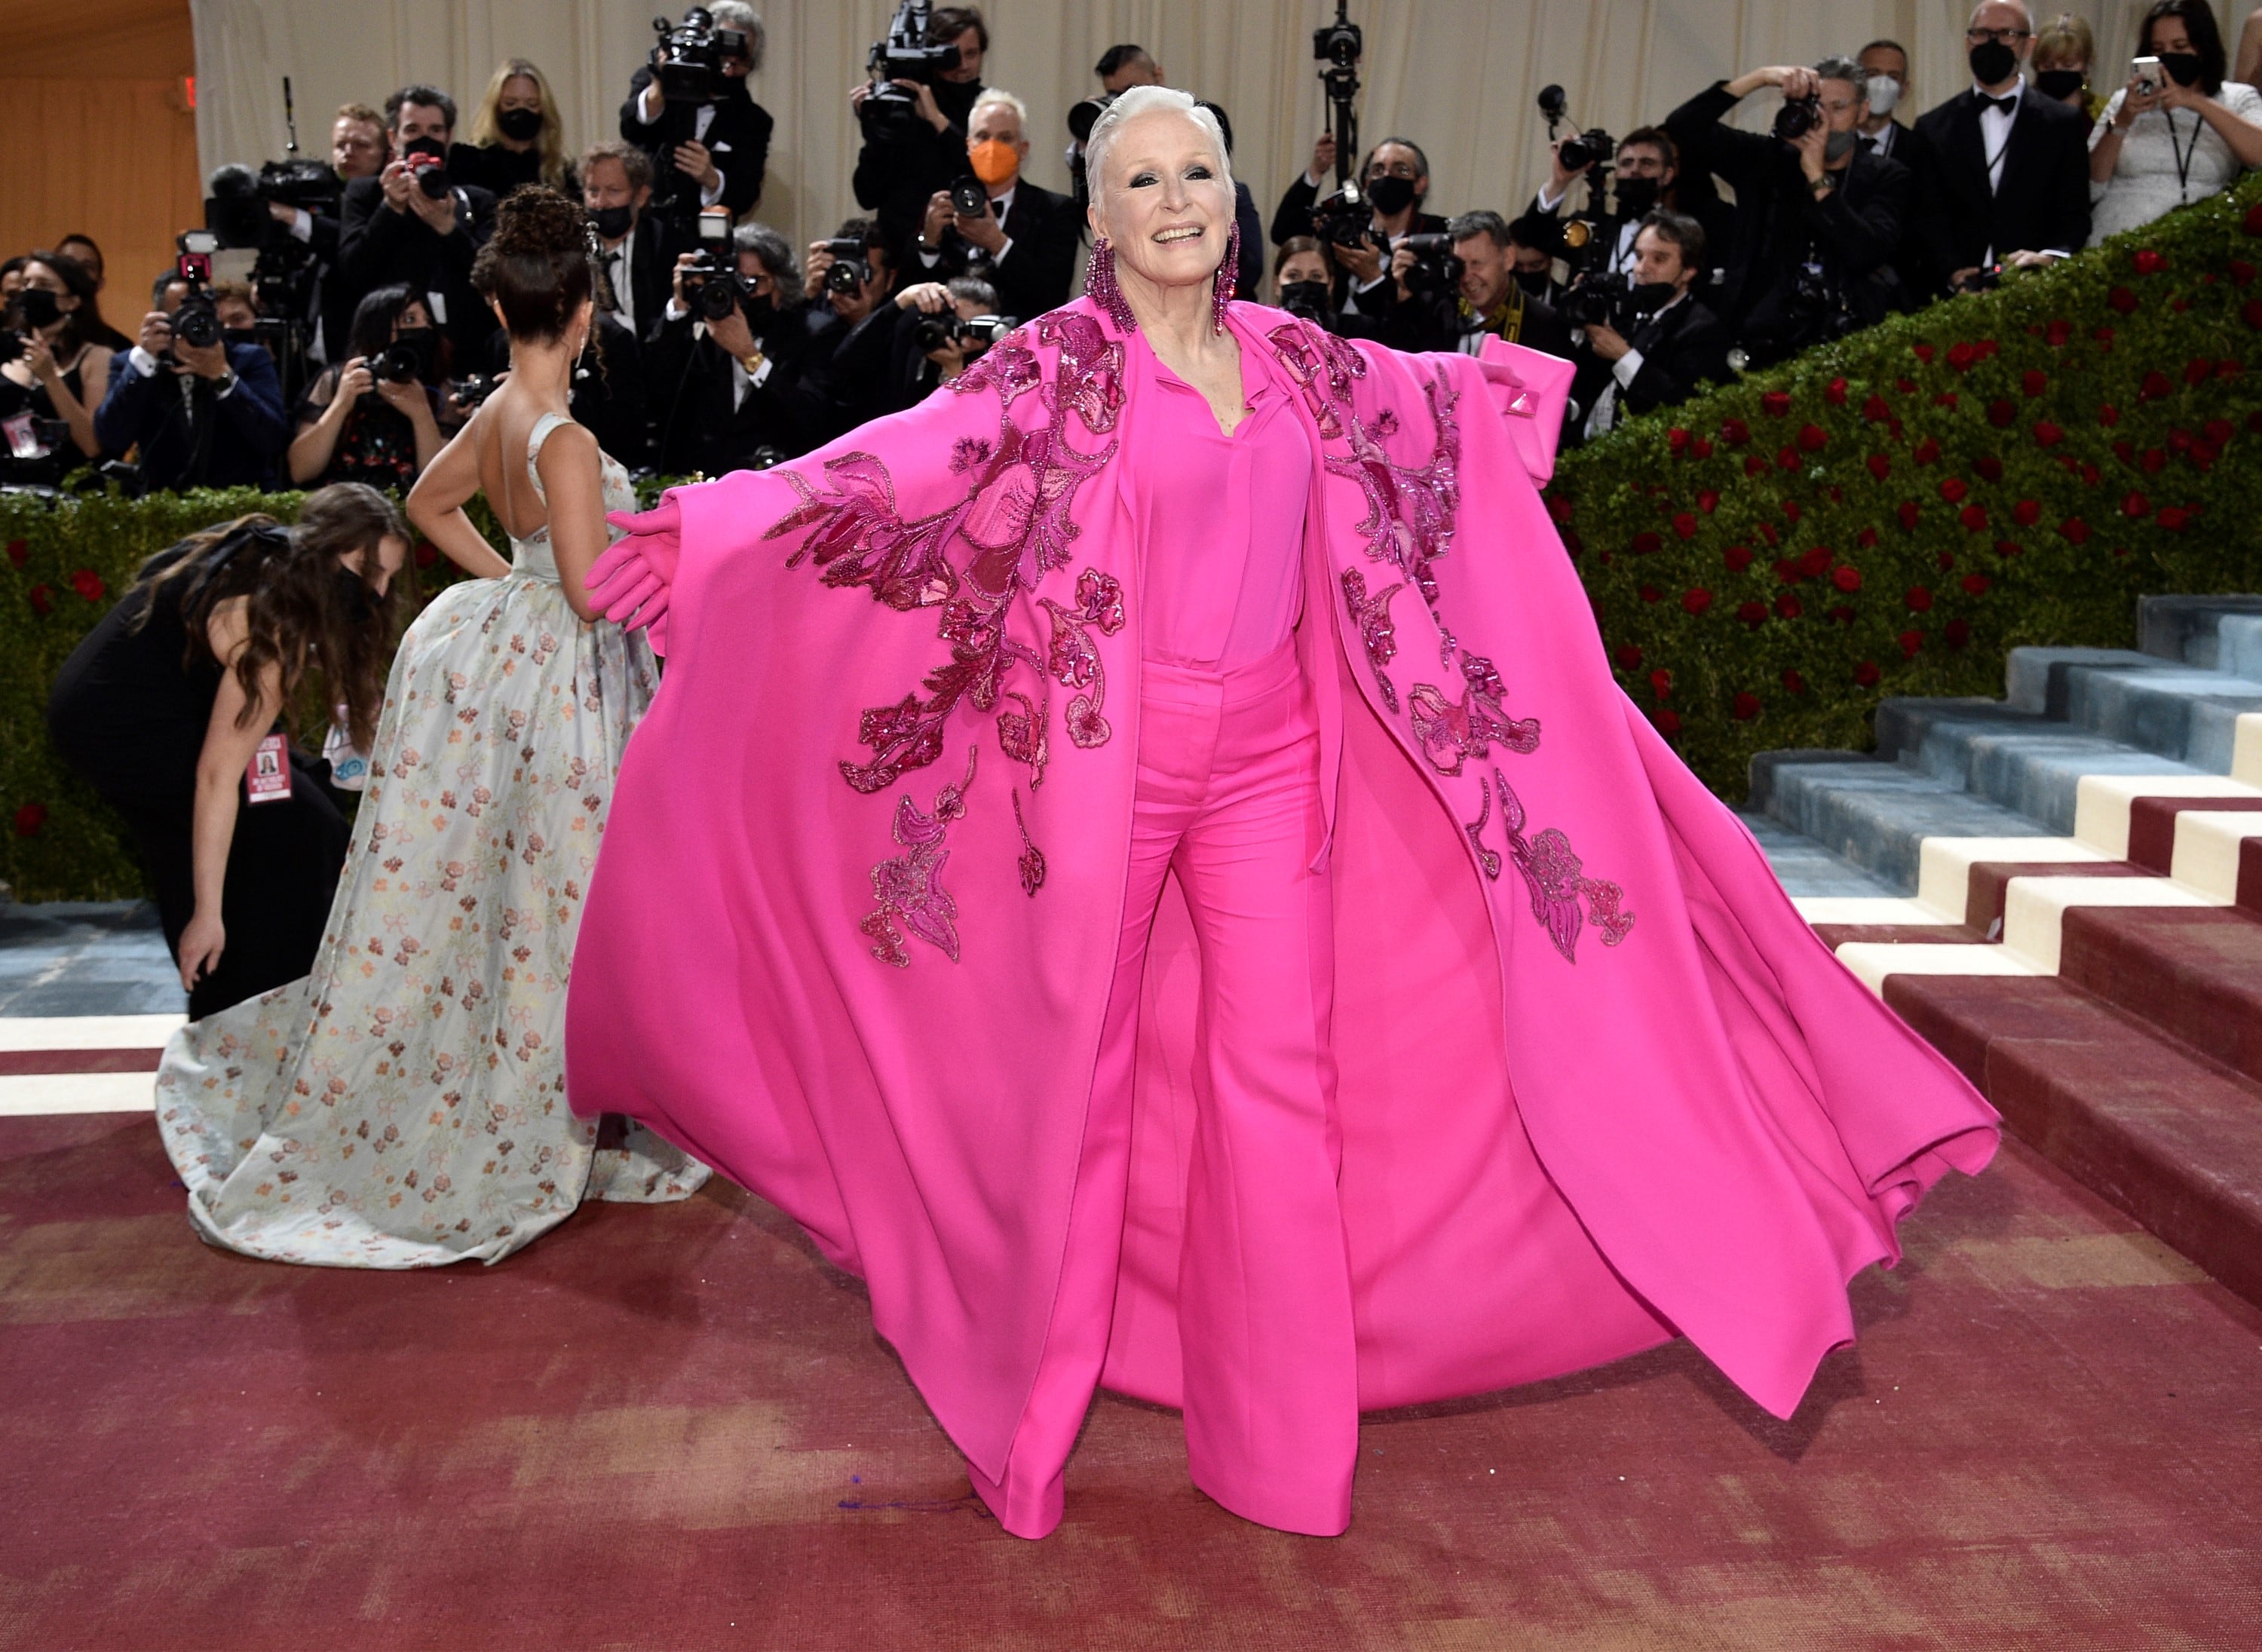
(1323, 365)
(909, 887)
(1074, 657)
(1032, 858)
(1556, 882)
(1487, 857)
(1450, 734)
(1370, 615)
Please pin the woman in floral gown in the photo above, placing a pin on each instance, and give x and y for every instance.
(404, 1105)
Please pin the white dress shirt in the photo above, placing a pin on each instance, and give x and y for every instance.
(1604, 415)
(649, 109)
(1000, 205)
(1995, 125)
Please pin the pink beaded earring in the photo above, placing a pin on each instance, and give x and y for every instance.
(1228, 275)
(1099, 286)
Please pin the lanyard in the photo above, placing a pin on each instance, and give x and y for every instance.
(2184, 157)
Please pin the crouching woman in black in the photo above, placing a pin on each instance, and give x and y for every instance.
(165, 709)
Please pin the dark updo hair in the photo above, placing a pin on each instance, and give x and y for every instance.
(535, 265)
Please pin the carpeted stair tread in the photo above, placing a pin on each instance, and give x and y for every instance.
(2195, 975)
(2169, 1136)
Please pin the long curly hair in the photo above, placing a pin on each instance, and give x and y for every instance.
(304, 610)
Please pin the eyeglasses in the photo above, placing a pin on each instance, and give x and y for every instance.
(2001, 37)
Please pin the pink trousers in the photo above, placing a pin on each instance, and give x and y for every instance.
(1228, 796)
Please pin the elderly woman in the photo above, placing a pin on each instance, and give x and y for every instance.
(2188, 134)
(1218, 976)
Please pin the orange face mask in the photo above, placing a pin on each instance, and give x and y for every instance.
(994, 161)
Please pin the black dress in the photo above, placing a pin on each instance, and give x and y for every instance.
(129, 716)
(500, 170)
(34, 399)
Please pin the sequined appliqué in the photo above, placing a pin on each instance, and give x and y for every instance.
(1075, 658)
(1369, 617)
(1555, 880)
(1451, 733)
(909, 887)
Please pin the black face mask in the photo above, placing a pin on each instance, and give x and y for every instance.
(1390, 196)
(520, 126)
(2060, 83)
(1536, 284)
(1649, 297)
(1992, 62)
(41, 307)
(756, 305)
(2183, 67)
(613, 222)
(1636, 196)
(1305, 298)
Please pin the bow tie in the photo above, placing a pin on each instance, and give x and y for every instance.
(2008, 105)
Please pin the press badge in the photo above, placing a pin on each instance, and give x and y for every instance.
(267, 778)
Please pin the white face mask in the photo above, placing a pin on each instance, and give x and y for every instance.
(1884, 94)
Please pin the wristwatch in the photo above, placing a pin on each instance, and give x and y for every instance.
(752, 362)
(1822, 185)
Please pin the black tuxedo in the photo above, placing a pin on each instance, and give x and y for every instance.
(1682, 350)
(703, 424)
(900, 168)
(1294, 217)
(652, 268)
(1853, 232)
(738, 138)
(1037, 270)
(379, 246)
(2044, 203)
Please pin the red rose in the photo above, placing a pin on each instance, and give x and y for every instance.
(30, 818)
(1558, 507)
(2135, 504)
(1947, 399)
(2156, 386)
(1990, 467)
(1906, 386)
(1789, 606)
(1953, 489)
(1835, 393)
(1866, 538)
(1776, 403)
(1961, 355)
(1919, 599)
(2241, 272)
(1794, 682)
(2008, 548)
(1866, 673)
(1847, 578)
(1791, 510)
(1747, 707)
(1676, 438)
(42, 599)
(1911, 641)
(1754, 465)
(1813, 438)
(1974, 518)
(1874, 409)
(1702, 447)
(18, 553)
(1738, 557)
(427, 553)
(2153, 462)
(1768, 533)
(2026, 513)
(2001, 412)
(1923, 352)
(1651, 593)
(2229, 369)
(1645, 543)
(2123, 300)
(1696, 601)
(1735, 432)
(1753, 614)
(2034, 381)
(1685, 525)
(1815, 563)
(1977, 584)
(2075, 530)
(2104, 336)
(2057, 333)
(1907, 515)
(1880, 466)
(1629, 657)
(1786, 458)
(1926, 451)
(2149, 263)
(89, 585)
(1708, 501)
(2174, 518)
(1947, 560)
(2047, 435)
(2198, 371)
(1660, 684)
(1667, 721)
(1957, 633)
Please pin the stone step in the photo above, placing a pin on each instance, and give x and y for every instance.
(2172, 1137)
(2188, 714)
(2027, 762)
(2189, 628)
(1874, 815)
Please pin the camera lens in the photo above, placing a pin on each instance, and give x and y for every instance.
(715, 299)
(197, 324)
(968, 196)
(845, 276)
(1794, 120)
(399, 365)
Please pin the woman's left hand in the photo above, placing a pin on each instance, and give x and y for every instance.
(409, 399)
(202, 942)
(2174, 95)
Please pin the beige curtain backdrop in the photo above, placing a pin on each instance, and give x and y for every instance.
(1457, 77)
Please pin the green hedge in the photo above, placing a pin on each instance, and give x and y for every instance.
(1892, 514)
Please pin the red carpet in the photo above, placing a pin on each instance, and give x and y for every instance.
(671, 1428)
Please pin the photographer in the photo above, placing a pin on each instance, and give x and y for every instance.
(716, 155)
(637, 257)
(1648, 175)
(376, 419)
(60, 371)
(1395, 177)
(915, 135)
(357, 150)
(727, 366)
(1818, 217)
(516, 136)
(996, 225)
(203, 415)
(933, 343)
(1471, 293)
(1658, 345)
(413, 225)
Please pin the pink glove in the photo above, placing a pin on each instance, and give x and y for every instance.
(630, 584)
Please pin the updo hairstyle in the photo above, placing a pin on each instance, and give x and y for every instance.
(536, 266)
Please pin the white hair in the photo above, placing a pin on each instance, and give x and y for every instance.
(1146, 100)
(734, 14)
(999, 95)
(2021, 5)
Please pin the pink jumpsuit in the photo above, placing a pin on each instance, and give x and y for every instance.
(1228, 796)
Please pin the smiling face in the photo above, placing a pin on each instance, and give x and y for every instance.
(1164, 202)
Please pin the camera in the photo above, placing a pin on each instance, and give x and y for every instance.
(237, 212)
(1083, 115)
(712, 286)
(429, 162)
(474, 388)
(849, 272)
(1436, 275)
(196, 322)
(687, 60)
(407, 360)
(1594, 148)
(935, 331)
(969, 196)
(1344, 218)
(906, 54)
(1798, 117)
(1340, 42)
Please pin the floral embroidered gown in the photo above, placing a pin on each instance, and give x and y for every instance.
(404, 1105)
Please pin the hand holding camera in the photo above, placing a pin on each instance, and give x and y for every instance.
(1606, 341)
(355, 382)
(970, 215)
(697, 162)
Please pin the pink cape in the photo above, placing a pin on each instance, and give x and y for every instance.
(854, 925)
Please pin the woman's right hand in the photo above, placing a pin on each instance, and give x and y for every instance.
(202, 942)
(630, 584)
(355, 383)
(2139, 98)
